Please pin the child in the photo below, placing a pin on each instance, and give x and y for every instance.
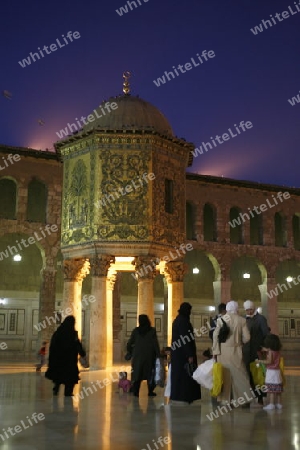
(207, 355)
(124, 384)
(42, 356)
(273, 381)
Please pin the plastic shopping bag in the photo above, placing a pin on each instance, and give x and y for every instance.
(204, 374)
(258, 373)
(168, 385)
(159, 372)
(217, 379)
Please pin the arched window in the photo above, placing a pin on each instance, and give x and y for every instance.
(236, 226)
(37, 201)
(190, 221)
(296, 231)
(280, 231)
(209, 223)
(256, 229)
(8, 199)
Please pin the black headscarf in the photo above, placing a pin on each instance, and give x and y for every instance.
(185, 309)
(66, 331)
(144, 324)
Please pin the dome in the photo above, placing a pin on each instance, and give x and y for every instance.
(132, 113)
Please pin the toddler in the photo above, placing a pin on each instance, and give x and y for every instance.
(42, 356)
(123, 382)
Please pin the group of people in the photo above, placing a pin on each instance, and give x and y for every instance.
(249, 340)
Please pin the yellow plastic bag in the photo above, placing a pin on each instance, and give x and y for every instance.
(281, 367)
(217, 379)
(258, 374)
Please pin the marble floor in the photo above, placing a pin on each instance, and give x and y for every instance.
(99, 417)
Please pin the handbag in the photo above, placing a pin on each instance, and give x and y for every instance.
(84, 362)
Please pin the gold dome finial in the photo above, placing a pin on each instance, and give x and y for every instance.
(126, 85)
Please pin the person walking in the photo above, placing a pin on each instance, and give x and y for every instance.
(183, 352)
(42, 356)
(229, 354)
(258, 328)
(144, 347)
(63, 357)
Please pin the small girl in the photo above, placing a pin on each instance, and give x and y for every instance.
(273, 381)
(42, 356)
(124, 384)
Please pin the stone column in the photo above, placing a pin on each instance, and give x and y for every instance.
(145, 273)
(98, 312)
(47, 303)
(217, 293)
(112, 276)
(117, 326)
(75, 270)
(225, 291)
(270, 305)
(174, 273)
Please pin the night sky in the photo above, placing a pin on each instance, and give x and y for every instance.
(250, 78)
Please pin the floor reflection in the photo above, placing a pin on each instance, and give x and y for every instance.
(105, 419)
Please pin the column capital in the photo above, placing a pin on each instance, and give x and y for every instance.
(76, 269)
(100, 265)
(145, 267)
(175, 271)
(111, 279)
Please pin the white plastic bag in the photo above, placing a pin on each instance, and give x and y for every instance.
(159, 377)
(204, 374)
(168, 385)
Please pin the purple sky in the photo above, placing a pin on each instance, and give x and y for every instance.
(251, 77)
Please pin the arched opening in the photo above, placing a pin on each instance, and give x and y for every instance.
(236, 226)
(296, 231)
(190, 221)
(246, 276)
(209, 223)
(21, 262)
(8, 204)
(256, 229)
(280, 230)
(37, 201)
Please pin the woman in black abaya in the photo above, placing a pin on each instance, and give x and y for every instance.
(63, 357)
(183, 350)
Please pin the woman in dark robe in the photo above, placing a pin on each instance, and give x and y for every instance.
(183, 351)
(63, 357)
(144, 347)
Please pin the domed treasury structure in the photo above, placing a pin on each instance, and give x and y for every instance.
(123, 209)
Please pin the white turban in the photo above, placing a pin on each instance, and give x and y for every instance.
(232, 306)
(248, 305)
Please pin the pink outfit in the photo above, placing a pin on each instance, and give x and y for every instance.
(275, 360)
(125, 385)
